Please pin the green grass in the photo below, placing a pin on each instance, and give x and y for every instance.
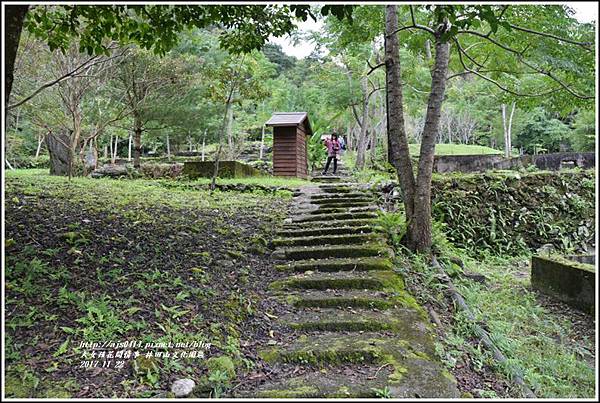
(456, 149)
(150, 185)
(259, 180)
(532, 339)
(111, 260)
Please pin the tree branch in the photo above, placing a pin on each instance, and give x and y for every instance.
(373, 68)
(585, 45)
(497, 84)
(92, 61)
(520, 57)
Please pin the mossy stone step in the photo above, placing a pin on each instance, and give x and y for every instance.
(337, 209)
(364, 229)
(334, 216)
(324, 252)
(351, 239)
(333, 281)
(326, 179)
(421, 378)
(328, 224)
(397, 320)
(338, 348)
(336, 298)
(337, 265)
(343, 195)
(343, 202)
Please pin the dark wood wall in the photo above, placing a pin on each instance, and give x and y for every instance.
(289, 151)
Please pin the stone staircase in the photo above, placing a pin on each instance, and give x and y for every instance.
(353, 329)
(342, 173)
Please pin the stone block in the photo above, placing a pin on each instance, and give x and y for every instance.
(227, 169)
(568, 279)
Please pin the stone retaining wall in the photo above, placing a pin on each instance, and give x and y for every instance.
(480, 163)
(568, 280)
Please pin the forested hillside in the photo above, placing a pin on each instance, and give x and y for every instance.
(132, 99)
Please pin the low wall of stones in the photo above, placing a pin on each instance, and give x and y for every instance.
(567, 279)
(481, 163)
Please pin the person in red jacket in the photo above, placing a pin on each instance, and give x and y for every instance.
(333, 149)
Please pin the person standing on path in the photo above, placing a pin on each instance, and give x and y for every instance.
(333, 148)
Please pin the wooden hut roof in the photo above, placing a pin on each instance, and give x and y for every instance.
(289, 119)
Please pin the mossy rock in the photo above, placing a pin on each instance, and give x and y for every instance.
(143, 365)
(227, 169)
(221, 363)
(20, 387)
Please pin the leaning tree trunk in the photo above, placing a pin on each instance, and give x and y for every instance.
(229, 128)
(58, 145)
(398, 153)
(137, 140)
(420, 227)
(13, 23)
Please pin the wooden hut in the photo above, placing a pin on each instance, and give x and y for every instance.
(290, 132)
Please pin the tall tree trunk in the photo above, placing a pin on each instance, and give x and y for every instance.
(190, 147)
(262, 143)
(110, 148)
(398, 153)
(168, 147)
(509, 134)
(427, 49)
(115, 150)
(363, 139)
(129, 147)
(505, 131)
(204, 143)
(420, 227)
(39, 146)
(137, 140)
(75, 139)
(229, 127)
(14, 15)
(59, 152)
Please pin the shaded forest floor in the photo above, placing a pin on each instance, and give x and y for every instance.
(102, 260)
(150, 261)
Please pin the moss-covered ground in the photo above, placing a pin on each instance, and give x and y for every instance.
(103, 260)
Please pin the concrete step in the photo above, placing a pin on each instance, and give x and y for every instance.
(333, 251)
(337, 265)
(324, 209)
(397, 320)
(365, 229)
(336, 298)
(343, 202)
(343, 280)
(337, 348)
(345, 239)
(417, 378)
(334, 216)
(328, 223)
(347, 196)
(322, 178)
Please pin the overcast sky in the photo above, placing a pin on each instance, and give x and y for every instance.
(586, 11)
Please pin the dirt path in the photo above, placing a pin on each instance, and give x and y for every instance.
(353, 330)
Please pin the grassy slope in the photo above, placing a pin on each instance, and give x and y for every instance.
(109, 260)
(456, 149)
(555, 361)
